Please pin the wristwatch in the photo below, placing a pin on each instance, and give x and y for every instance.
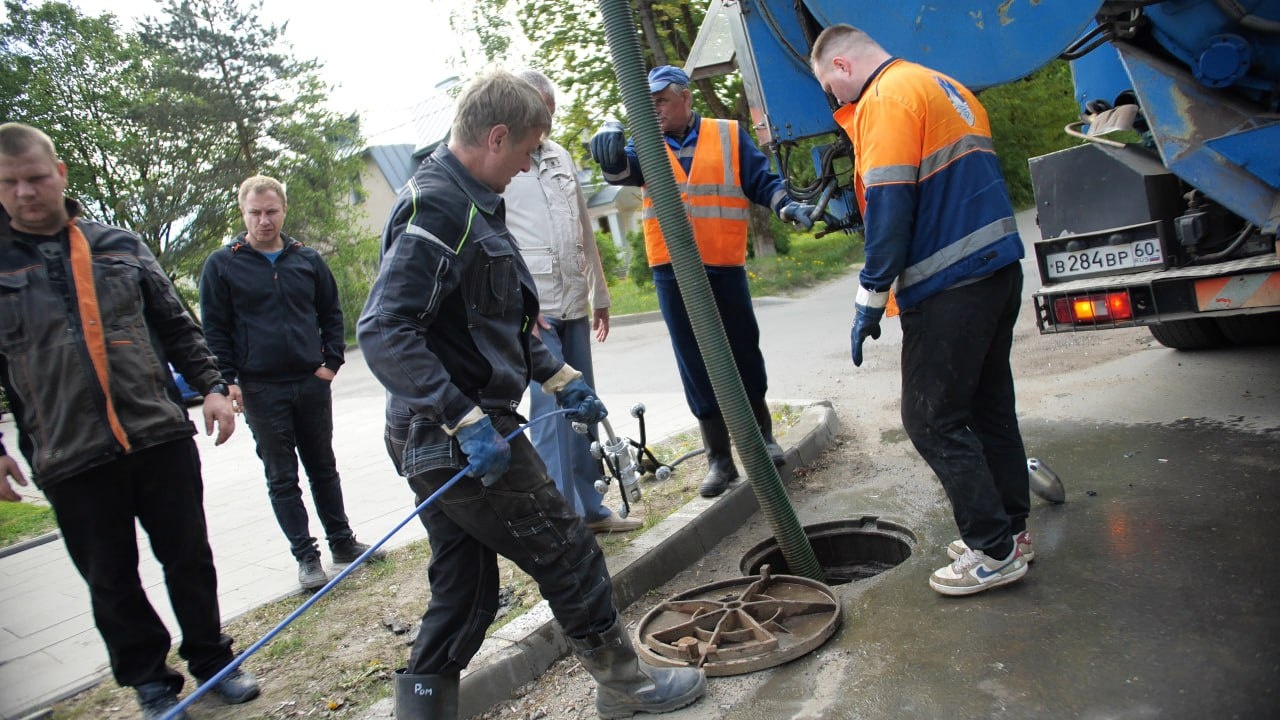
(220, 388)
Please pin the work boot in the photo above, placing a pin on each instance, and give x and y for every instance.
(426, 697)
(157, 698)
(626, 686)
(720, 467)
(764, 419)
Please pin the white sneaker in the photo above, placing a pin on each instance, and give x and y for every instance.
(974, 572)
(1023, 539)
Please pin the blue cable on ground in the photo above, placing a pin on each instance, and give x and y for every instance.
(239, 659)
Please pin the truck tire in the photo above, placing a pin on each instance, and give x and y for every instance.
(1251, 329)
(1193, 334)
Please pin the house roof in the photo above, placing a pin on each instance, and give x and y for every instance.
(395, 162)
(432, 120)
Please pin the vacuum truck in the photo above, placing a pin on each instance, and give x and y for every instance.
(1164, 214)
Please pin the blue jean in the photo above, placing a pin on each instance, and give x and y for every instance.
(292, 420)
(566, 453)
(733, 300)
(958, 405)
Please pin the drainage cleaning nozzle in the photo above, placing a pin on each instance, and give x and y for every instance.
(1045, 482)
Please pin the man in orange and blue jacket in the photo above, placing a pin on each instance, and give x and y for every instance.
(720, 172)
(940, 232)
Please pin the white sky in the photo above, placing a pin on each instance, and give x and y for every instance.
(382, 57)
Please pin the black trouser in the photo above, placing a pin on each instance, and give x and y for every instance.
(958, 405)
(291, 420)
(161, 487)
(523, 518)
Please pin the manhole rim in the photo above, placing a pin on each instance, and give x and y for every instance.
(872, 525)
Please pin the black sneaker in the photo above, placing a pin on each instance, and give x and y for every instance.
(347, 551)
(310, 575)
(237, 687)
(156, 699)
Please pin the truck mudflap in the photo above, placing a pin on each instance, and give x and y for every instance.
(1155, 297)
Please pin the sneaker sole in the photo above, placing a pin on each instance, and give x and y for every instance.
(1028, 555)
(975, 589)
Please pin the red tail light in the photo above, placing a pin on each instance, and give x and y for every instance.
(1092, 309)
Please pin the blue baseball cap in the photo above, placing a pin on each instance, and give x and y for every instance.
(664, 75)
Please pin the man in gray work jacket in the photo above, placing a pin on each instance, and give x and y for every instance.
(447, 329)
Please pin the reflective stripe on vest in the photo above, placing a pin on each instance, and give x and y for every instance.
(713, 199)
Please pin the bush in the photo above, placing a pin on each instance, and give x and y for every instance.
(1027, 118)
(354, 266)
(638, 269)
(610, 257)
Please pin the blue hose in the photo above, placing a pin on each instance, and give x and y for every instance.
(236, 662)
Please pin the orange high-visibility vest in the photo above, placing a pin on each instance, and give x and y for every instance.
(713, 198)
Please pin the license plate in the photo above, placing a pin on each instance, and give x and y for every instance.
(1104, 259)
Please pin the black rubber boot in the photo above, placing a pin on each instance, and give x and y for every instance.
(720, 467)
(625, 686)
(426, 697)
(764, 419)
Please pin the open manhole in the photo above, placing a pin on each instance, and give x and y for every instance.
(847, 550)
(740, 625)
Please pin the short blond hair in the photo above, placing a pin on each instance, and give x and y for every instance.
(17, 139)
(499, 98)
(840, 39)
(262, 183)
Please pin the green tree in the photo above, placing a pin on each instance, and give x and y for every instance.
(1027, 118)
(569, 47)
(159, 127)
(87, 85)
(259, 110)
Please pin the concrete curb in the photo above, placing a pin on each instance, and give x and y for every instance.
(522, 651)
(29, 543)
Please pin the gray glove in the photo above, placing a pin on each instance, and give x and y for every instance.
(608, 146)
(799, 213)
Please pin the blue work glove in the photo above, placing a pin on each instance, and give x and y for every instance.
(868, 309)
(799, 213)
(581, 399)
(486, 450)
(608, 146)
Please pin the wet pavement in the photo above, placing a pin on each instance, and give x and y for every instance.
(1150, 595)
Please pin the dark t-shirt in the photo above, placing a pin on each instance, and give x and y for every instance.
(50, 247)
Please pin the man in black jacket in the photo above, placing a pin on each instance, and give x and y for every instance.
(88, 325)
(273, 318)
(447, 329)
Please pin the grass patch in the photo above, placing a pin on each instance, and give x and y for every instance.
(24, 521)
(810, 261)
(337, 659)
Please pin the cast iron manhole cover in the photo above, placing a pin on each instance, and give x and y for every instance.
(740, 625)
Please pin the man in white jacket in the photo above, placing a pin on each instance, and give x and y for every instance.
(547, 215)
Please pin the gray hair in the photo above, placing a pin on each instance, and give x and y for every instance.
(499, 98)
(540, 82)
